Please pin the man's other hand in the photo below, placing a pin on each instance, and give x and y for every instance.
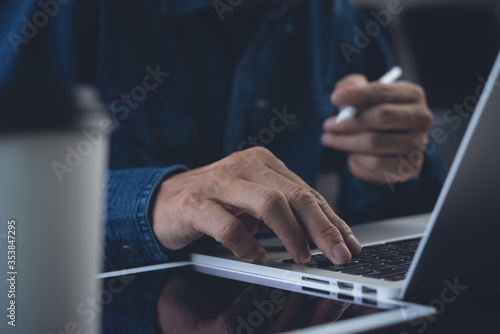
(389, 130)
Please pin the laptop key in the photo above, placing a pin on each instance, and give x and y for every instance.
(391, 272)
(376, 267)
(345, 266)
(321, 260)
(405, 268)
(374, 259)
(395, 278)
(385, 273)
(363, 255)
(384, 251)
(393, 263)
(395, 256)
(357, 271)
(312, 264)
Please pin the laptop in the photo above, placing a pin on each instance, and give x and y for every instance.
(435, 257)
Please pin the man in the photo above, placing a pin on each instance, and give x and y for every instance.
(196, 86)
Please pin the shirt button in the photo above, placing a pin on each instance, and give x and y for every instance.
(127, 251)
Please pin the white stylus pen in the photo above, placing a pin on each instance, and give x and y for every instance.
(349, 112)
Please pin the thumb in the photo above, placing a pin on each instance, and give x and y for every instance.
(343, 88)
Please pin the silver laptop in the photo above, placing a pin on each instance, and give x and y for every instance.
(430, 257)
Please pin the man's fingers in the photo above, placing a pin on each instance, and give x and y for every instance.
(319, 228)
(254, 225)
(306, 208)
(375, 143)
(350, 81)
(212, 219)
(384, 117)
(377, 93)
(271, 206)
(349, 238)
(286, 187)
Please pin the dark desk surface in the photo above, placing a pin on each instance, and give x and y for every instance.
(475, 315)
(176, 301)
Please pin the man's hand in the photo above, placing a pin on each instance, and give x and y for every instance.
(391, 126)
(249, 192)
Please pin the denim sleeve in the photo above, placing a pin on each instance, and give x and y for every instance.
(362, 202)
(130, 241)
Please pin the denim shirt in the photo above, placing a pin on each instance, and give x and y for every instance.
(187, 87)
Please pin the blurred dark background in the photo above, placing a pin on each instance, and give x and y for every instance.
(445, 46)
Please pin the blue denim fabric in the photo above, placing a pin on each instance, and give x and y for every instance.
(187, 88)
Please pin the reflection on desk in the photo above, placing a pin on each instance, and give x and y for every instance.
(183, 301)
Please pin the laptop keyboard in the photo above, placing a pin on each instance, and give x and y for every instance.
(389, 261)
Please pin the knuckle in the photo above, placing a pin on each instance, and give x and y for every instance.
(220, 177)
(419, 92)
(351, 93)
(383, 114)
(328, 232)
(319, 198)
(426, 119)
(274, 202)
(300, 195)
(260, 151)
(384, 91)
(191, 200)
(228, 232)
(421, 143)
(375, 142)
(233, 162)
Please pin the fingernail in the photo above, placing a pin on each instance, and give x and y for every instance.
(305, 257)
(341, 254)
(262, 256)
(353, 244)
